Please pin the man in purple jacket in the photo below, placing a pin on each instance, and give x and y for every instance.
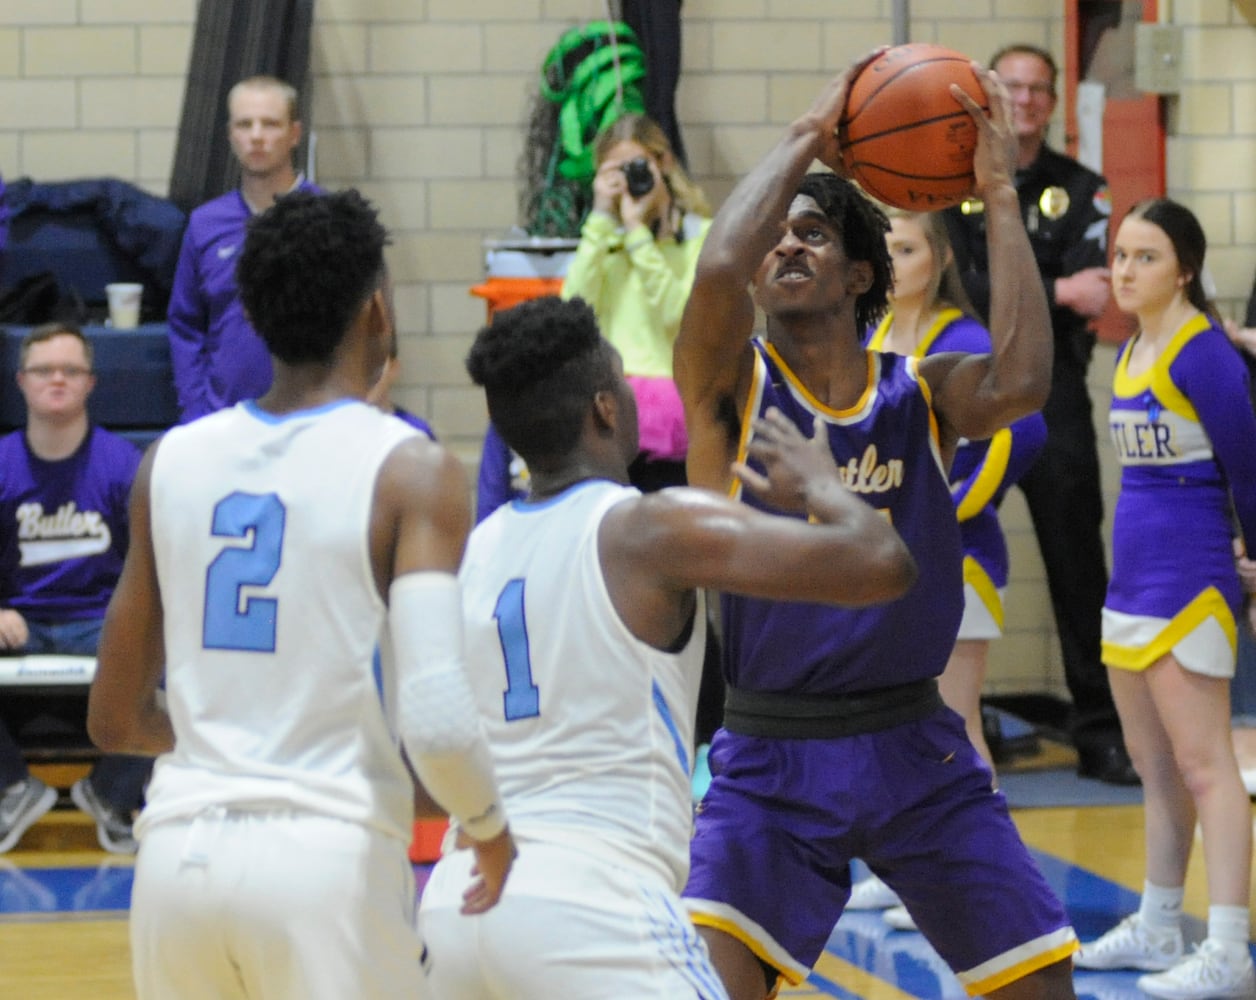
(217, 356)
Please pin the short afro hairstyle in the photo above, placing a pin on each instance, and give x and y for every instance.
(862, 227)
(541, 363)
(309, 263)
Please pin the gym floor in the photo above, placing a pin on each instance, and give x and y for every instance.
(63, 910)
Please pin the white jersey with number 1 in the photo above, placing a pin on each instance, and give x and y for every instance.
(591, 729)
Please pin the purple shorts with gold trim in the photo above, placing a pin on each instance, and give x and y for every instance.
(783, 819)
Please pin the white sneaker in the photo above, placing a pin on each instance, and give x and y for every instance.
(1210, 971)
(1130, 945)
(898, 918)
(872, 894)
(1248, 774)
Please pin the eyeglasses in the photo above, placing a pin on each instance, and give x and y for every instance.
(1034, 89)
(48, 371)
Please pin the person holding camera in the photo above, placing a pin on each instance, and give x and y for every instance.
(634, 265)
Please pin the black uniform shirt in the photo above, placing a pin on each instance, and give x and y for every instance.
(1066, 208)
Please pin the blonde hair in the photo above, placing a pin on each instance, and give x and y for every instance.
(945, 286)
(262, 82)
(645, 131)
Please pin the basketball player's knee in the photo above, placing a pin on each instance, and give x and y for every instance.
(744, 975)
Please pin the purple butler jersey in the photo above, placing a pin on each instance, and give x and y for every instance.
(886, 447)
(1183, 433)
(63, 526)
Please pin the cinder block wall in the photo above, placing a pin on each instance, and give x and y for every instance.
(420, 103)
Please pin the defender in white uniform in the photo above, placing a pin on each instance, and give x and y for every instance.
(273, 845)
(585, 638)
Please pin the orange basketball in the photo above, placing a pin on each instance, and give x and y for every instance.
(905, 138)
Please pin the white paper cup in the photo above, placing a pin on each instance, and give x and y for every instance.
(124, 305)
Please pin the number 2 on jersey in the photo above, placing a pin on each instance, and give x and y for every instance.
(233, 620)
(522, 698)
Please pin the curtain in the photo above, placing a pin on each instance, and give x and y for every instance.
(656, 23)
(234, 39)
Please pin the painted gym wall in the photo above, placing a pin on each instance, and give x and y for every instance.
(420, 104)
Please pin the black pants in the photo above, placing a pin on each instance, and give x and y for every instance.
(1065, 502)
(118, 779)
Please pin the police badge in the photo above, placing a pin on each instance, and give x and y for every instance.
(1053, 203)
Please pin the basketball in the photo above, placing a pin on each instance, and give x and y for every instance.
(905, 139)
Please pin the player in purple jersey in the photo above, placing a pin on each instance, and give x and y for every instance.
(1185, 437)
(63, 536)
(217, 356)
(836, 743)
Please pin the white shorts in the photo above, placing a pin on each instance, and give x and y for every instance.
(568, 925)
(982, 620)
(1202, 648)
(252, 904)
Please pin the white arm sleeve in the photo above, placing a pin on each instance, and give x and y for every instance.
(439, 722)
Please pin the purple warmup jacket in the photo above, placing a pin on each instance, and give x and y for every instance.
(217, 356)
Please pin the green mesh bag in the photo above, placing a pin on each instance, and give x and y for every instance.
(592, 75)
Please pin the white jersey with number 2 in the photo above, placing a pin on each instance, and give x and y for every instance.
(278, 696)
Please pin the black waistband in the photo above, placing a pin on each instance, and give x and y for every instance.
(826, 717)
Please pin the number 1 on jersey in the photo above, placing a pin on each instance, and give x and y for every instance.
(233, 620)
(522, 698)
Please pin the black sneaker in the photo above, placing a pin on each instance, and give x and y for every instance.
(20, 806)
(113, 826)
(1109, 764)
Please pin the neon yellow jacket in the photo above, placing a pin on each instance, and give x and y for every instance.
(637, 286)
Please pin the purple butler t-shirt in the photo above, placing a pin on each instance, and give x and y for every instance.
(63, 526)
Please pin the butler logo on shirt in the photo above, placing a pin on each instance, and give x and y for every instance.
(68, 533)
(868, 474)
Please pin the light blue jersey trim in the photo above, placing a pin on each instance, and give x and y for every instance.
(250, 405)
(524, 505)
(661, 704)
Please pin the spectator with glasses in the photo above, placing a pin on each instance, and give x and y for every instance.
(63, 536)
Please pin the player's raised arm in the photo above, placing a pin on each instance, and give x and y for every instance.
(711, 358)
(981, 395)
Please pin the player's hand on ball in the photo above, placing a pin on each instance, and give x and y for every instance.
(828, 107)
(994, 161)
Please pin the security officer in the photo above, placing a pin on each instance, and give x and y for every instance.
(1066, 209)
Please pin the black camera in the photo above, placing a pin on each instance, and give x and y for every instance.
(640, 179)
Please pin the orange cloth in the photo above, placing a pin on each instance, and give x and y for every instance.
(502, 293)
